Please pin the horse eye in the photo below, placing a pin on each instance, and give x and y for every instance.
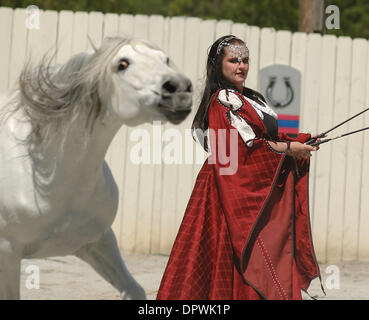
(167, 61)
(123, 64)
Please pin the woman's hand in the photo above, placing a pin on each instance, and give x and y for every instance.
(317, 139)
(300, 150)
(295, 149)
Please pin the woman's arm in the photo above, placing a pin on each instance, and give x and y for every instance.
(294, 149)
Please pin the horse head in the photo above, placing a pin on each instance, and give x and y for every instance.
(142, 84)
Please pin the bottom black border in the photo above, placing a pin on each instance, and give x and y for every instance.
(179, 310)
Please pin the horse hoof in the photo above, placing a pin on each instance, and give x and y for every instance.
(137, 293)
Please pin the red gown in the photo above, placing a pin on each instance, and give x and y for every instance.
(245, 235)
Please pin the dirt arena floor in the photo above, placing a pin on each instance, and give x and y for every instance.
(68, 278)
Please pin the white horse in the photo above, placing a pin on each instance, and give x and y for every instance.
(57, 194)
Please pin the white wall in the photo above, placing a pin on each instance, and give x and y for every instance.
(153, 197)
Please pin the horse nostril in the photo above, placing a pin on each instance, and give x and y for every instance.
(170, 86)
(189, 88)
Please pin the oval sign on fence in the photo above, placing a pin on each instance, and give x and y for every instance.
(280, 85)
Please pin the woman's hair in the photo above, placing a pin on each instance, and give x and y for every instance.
(214, 81)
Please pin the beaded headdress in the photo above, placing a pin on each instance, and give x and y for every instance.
(235, 50)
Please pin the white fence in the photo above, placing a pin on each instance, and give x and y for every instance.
(153, 197)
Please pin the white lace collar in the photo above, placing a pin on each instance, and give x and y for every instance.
(229, 99)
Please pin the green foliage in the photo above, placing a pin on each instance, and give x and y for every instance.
(281, 14)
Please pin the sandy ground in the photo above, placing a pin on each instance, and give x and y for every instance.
(68, 278)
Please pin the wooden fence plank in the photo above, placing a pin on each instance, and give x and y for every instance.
(253, 43)
(239, 30)
(283, 47)
(95, 28)
(141, 23)
(156, 30)
(311, 86)
(355, 151)
(298, 60)
(111, 25)
(222, 28)
(363, 254)
(339, 153)
(79, 42)
(126, 25)
(6, 18)
(323, 156)
(267, 47)
(207, 37)
(309, 112)
(65, 36)
(42, 41)
(18, 46)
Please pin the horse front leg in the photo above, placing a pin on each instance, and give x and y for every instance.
(10, 265)
(105, 258)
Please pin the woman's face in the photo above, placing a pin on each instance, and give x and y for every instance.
(235, 71)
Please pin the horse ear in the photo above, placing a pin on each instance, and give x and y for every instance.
(91, 43)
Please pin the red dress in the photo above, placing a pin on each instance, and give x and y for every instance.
(244, 235)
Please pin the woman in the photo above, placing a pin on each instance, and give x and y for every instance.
(246, 230)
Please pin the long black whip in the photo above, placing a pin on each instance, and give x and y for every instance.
(340, 136)
(311, 141)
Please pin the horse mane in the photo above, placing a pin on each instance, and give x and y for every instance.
(57, 94)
